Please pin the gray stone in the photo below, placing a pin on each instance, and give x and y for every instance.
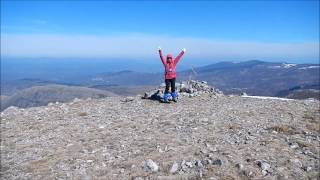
(293, 145)
(244, 94)
(150, 165)
(174, 168)
(184, 94)
(264, 172)
(163, 85)
(308, 168)
(138, 178)
(209, 161)
(189, 164)
(296, 162)
(75, 100)
(217, 162)
(183, 165)
(239, 166)
(265, 167)
(128, 99)
(199, 164)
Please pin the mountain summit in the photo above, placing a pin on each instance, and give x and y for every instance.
(206, 136)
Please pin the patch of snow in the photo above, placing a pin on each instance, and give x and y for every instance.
(274, 67)
(288, 65)
(309, 67)
(267, 97)
(284, 65)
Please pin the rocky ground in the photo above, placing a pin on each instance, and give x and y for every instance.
(203, 136)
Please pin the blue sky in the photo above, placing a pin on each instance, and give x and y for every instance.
(218, 30)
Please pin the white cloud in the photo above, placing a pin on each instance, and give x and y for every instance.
(144, 46)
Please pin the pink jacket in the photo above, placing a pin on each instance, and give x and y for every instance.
(170, 66)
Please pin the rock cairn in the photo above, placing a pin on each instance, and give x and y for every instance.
(190, 88)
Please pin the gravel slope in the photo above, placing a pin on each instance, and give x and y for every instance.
(203, 137)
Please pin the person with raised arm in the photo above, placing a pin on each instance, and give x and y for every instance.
(170, 74)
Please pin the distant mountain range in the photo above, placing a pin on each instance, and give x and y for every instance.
(298, 81)
(253, 77)
(257, 77)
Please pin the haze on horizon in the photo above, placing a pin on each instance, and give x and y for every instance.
(219, 31)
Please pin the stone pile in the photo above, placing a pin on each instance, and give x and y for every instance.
(190, 88)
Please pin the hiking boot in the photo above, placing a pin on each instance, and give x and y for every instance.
(174, 96)
(166, 97)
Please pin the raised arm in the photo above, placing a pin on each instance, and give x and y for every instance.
(161, 57)
(177, 59)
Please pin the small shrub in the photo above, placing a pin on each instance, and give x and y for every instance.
(308, 116)
(284, 129)
(83, 114)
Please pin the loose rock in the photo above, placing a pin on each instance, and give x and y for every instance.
(239, 166)
(150, 165)
(199, 164)
(265, 167)
(174, 168)
(217, 162)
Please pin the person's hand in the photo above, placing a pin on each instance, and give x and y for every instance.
(184, 50)
(159, 48)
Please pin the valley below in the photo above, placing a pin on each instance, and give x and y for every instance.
(257, 78)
